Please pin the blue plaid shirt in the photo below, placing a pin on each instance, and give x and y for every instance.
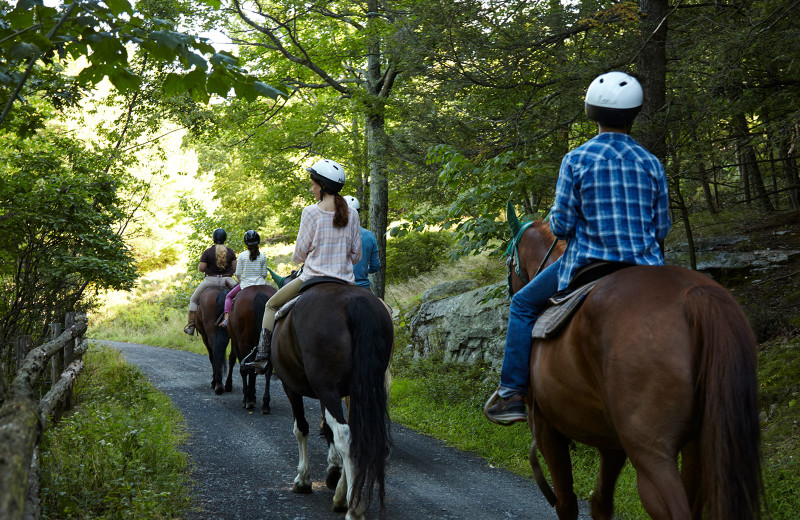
(611, 204)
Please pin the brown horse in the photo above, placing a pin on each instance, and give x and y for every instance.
(210, 307)
(657, 362)
(337, 342)
(244, 327)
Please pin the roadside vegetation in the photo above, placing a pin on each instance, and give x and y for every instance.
(117, 453)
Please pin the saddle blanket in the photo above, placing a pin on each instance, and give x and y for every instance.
(286, 307)
(558, 313)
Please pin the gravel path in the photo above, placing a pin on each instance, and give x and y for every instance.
(244, 462)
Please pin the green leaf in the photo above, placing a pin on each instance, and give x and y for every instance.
(119, 6)
(224, 59)
(198, 61)
(174, 85)
(124, 80)
(217, 84)
(22, 51)
(215, 4)
(268, 90)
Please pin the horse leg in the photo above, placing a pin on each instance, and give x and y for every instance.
(334, 470)
(265, 408)
(341, 438)
(602, 502)
(247, 377)
(302, 482)
(692, 477)
(229, 380)
(660, 486)
(555, 449)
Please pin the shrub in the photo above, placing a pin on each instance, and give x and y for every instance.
(416, 253)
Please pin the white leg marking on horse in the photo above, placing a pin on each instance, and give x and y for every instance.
(341, 439)
(303, 477)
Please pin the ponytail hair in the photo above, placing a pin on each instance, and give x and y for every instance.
(254, 252)
(222, 256)
(342, 215)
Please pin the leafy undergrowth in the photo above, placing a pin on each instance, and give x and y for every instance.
(115, 455)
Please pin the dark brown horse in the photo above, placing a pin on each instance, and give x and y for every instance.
(244, 327)
(337, 342)
(210, 307)
(657, 362)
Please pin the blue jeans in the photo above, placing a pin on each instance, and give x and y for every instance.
(526, 306)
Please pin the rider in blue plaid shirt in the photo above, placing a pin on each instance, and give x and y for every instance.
(611, 204)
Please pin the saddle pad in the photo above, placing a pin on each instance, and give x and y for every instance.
(560, 310)
(286, 307)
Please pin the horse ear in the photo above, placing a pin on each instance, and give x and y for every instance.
(513, 221)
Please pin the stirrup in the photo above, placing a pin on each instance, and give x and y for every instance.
(189, 329)
(493, 399)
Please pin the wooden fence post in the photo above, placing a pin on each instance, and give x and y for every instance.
(69, 349)
(23, 346)
(56, 363)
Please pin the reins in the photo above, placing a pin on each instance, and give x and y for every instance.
(512, 256)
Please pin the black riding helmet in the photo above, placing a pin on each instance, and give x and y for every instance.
(219, 236)
(251, 238)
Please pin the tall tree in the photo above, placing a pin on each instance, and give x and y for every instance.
(338, 46)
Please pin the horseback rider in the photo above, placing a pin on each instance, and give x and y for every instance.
(218, 263)
(370, 261)
(328, 243)
(251, 269)
(611, 204)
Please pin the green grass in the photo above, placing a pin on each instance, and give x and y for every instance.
(116, 454)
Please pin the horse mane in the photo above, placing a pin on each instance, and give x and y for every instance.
(543, 229)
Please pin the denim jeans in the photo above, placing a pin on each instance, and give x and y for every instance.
(526, 306)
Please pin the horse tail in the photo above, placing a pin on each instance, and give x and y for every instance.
(221, 337)
(727, 385)
(369, 416)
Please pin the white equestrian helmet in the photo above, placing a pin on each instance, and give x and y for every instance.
(331, 172)
(614, 99)
(352, 202)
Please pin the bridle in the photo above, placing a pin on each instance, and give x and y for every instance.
(512, 258)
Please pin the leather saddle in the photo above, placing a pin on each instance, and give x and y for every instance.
(564, 303)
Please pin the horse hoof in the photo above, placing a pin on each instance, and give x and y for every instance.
(219, 390)
(265, 409)
(332, 479)
(229, 387)
(301, 488)
(339, 508)
(250, 405)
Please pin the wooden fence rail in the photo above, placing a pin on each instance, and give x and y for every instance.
(24, 417)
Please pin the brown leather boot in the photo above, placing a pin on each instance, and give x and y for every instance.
(189, 328)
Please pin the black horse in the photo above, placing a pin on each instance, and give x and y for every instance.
(215, 338)
(337, 342)
(244, 327)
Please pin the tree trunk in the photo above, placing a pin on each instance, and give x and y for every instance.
(748, 163)
(377, 150)
(789, 163)
(678, 197)
(652, 69)
(378, 193)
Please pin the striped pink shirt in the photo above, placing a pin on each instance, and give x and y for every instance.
(325, 249)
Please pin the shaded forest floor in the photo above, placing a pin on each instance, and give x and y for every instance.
(771, 300)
